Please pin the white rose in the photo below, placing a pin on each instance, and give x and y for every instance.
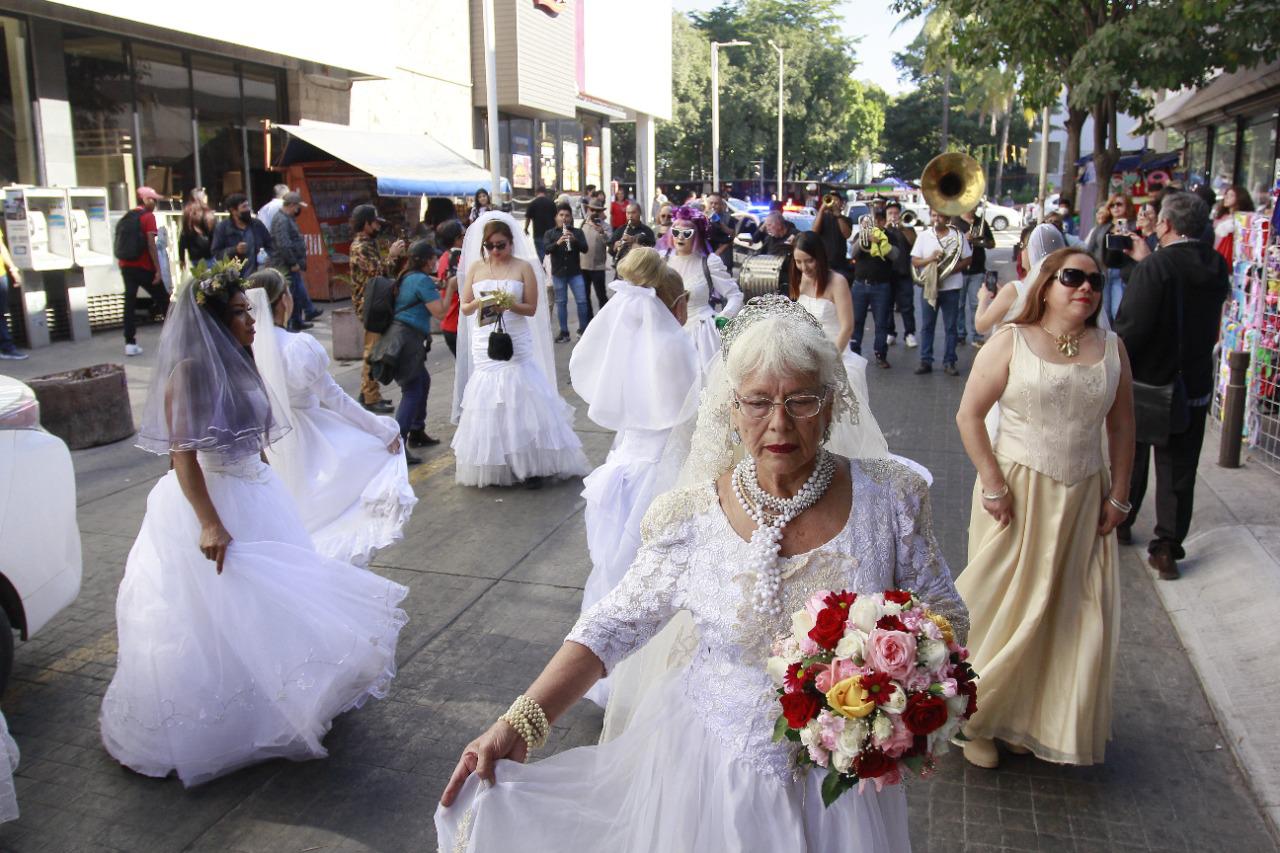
(957, 705)
(777, 669)
(897, 703)
(940, 739)
(881, 728)
(892, 608)
(841, 762)
(932, 653)
(854, 735)
(865, 613)
(852, 646)
(801, 623)
(811, 733)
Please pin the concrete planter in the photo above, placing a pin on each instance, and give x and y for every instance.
(85, 407)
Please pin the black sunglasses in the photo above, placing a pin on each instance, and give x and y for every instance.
(1074, 278)
(495, 247)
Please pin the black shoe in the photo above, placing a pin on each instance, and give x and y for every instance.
(1162, 561)
(881, 361)
(419, 438)
(950, 370)
(382, 407)
(923, 369)
(1124, 535)
(562, 338)
(533, 483)
(410, 459)
(311, 315)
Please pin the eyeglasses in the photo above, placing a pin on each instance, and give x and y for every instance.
(1074, 278)
(683, 233)
(1117, 204)
(800, 406)
(496, 247)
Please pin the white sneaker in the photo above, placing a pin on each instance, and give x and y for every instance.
(891, 340)
(911, 342)
(132, 349)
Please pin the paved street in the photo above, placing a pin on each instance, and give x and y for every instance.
(496, 578)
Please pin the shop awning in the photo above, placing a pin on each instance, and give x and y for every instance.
(404, 164)
(1145, 161)
(1225, 95)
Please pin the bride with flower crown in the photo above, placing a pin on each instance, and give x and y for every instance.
(765, 515)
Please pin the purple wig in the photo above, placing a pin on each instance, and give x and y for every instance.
(701, 244)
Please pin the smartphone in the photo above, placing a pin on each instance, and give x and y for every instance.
(1118, 242)
(989, 281)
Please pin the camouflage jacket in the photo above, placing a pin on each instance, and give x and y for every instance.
(367, 261)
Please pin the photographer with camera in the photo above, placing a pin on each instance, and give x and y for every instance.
(1107, 243)
(595, 258)
(449, 237)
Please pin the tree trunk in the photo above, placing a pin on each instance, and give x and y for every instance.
(1004, 147)
(1074, 126)
(1105, 152)
(946, 107)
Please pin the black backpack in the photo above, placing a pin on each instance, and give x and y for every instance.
(130, 242)
(380, 295)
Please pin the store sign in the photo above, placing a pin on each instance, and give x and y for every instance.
(551, 7)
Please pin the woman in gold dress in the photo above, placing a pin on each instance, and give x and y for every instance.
(1042, 582)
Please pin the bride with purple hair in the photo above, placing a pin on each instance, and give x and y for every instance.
(687, 250)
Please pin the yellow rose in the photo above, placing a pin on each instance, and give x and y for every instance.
(943, 625)
(848, 699)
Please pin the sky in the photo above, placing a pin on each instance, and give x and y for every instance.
(869, 19)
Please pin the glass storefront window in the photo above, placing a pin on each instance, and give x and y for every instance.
(592, 165)
(521, 156)
(570, 161)
(1222, 174)
(164, 119)
(261, 102)
(100, 90)
(216, 90)
(548, 161)
(1257, 157)
(1197, 151)
(17, 151)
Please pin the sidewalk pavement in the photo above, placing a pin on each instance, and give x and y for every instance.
(1224, 609)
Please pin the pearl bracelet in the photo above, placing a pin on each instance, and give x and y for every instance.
(529, 720)
(996, 495)
(1126, 508)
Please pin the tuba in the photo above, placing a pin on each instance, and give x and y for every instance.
(866, 231)
(951, 184)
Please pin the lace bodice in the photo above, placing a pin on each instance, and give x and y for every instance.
(695, 281)
(825, 311)
(692, 559)
(1051, 415)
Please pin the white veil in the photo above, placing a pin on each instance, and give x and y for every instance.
(270, 362)
(707, 453)
(539, 323)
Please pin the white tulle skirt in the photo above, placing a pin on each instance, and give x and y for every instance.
(353, 495)
(8, 766)
(701, 329)
(514, 426)
(216, 672)
(618, 494)
(665, 784)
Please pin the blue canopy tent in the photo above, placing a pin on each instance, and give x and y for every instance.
(403, 164)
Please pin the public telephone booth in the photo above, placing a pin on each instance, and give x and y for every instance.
(37, 224)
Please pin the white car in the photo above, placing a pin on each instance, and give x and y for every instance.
(1000, 217)
(40, 561)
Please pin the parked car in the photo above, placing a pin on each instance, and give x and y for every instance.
(1000, 217)
(40, 561)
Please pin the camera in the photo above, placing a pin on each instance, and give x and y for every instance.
(454, 256)
(1118, 242)
(989, 281)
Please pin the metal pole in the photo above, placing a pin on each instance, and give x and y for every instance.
(1044, 164)
(780, 107)
(1233, 404)
(491, 99)
(715, 116)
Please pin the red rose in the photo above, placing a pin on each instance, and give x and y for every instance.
(897, 596)
(970, 690)
(924, 713)
(800, 708)
(843, 599)
(879, 686)
(891, 623)
(829, 627)
(871, 763)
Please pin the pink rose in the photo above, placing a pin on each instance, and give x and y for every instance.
(819, 755)
(815, 604)
(912, 620)
(839, 670)
(899, 740)
(830, 726)
(918, 679)
(948, 687)
(892, 652)
(821, 677)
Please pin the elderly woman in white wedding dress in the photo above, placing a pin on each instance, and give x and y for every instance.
(513, 425)
(238, 642)
(639, 374)
(687, 250)
(697, 767)
(344, 466)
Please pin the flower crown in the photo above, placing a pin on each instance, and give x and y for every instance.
(212, 280)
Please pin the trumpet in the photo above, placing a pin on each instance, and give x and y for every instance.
(866, 231)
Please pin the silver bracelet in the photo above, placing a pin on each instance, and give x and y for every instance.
(996, 495)
(1126, 508)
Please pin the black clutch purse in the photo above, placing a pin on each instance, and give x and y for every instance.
(1160, 411)
(501, 347)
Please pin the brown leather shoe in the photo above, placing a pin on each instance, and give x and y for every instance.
(1163, 562)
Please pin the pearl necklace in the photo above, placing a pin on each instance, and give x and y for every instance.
(771, 514)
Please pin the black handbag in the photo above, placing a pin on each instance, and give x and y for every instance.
(1160, 411)
(500, 346)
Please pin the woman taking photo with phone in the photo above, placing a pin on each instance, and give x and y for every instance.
(1042, 584)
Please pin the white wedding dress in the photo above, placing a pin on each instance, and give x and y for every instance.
(353, 495)
(701, 324)
(215, 672)
(697, 767)
(513, 423)
(639, 374)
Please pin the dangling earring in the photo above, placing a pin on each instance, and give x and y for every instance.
(735, 438)
(826, 433)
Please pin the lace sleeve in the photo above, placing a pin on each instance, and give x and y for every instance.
(638, 607)
(920, 566)
(308, 367)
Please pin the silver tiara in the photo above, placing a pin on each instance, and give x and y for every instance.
(762, 308)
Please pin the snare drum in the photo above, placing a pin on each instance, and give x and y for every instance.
(761, 274)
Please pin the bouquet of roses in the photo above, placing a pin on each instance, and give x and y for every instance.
(869, 683)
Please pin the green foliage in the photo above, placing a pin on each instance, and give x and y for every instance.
(835, 784)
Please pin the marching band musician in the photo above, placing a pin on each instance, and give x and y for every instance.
(980, 238)
(942, 253)
(874, 249)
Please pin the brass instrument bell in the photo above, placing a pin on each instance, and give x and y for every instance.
(952, 183)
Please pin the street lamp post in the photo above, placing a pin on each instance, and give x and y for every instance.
(774, 45)
(715, 108)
